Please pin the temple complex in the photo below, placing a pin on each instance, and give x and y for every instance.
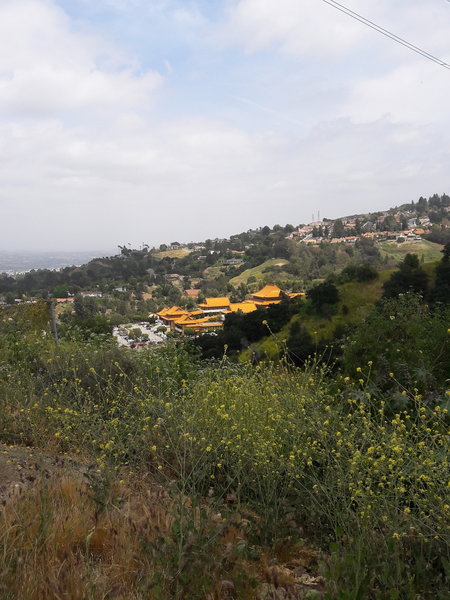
(212, 312)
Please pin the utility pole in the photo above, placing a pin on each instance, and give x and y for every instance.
(51, 305)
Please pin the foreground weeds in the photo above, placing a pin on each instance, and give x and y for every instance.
(206, 481)
(61, 540)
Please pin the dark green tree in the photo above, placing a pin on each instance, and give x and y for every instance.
(299, 343)
(325, 293)
(409, 278)
(338, 229)
(441, 290)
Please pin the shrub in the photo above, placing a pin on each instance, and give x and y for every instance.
(407, 345)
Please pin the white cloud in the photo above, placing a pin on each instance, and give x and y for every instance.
(85, 163)
(375, 76)
(414, 93)
(306, 28)
(197, 178)
(298, 27)
(46, 67)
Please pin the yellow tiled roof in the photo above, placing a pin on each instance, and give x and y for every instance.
(187, 320)
(176, 310)
(204, 325)
(171, 313)
(267, 302)
(216, 302)
(268, 291)
(183, 319)
(245, 307)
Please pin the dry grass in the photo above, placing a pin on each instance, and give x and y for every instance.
(59, 541)
(68, 539)
(172, 254)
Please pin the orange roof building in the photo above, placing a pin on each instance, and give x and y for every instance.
(245, 307)
(169, 315)
(271, 294)
(215, 305)
(198, 325)
(211, 313)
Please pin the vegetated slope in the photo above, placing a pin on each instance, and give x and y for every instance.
(214, 481)
(260, 271)
(423, 248)
(355, 300)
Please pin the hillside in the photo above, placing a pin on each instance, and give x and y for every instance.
(171, 254)
(296, 258)
(268, 269)
(423, 248)
(355, 300)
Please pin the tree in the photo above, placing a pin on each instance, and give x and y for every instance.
(364, 272)
(338, 229)
(441, 290)
(61, 291)
(325, 293)
(299, 343)
(409, 278)
(84, 307)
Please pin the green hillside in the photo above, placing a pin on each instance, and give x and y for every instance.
(428, 250)
(260, 271)
(354, 300)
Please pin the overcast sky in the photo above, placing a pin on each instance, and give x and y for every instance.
(130, 121)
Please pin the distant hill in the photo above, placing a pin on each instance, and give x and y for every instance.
(293, 257)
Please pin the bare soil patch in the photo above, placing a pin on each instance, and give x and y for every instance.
(21, 467)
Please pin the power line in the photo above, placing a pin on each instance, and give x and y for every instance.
(385, 32)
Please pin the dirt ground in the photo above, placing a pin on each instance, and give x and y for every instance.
(21, 467)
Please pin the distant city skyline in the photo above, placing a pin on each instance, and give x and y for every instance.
(131, 121)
